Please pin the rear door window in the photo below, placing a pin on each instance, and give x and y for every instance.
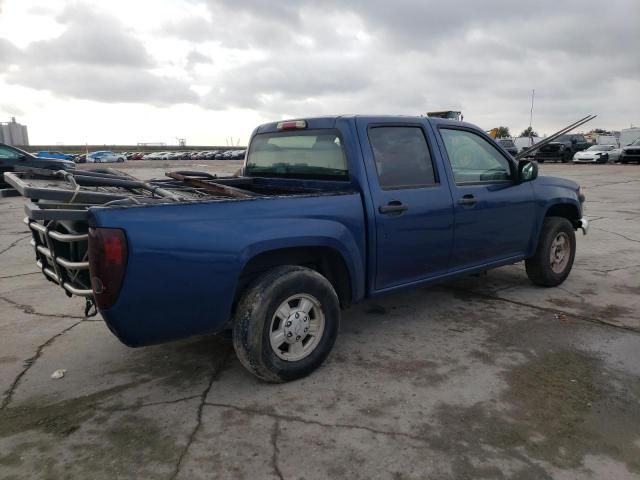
(402, 157)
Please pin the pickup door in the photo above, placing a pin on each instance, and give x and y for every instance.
(494, 212)
(412, 202)
(446, 200)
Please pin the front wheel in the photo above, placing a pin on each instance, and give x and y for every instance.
(286, 323)
(552, 262)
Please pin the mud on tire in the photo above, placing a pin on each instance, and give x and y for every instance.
(541, 269)
(255, 317)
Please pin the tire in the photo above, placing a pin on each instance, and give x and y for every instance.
(255, 320)
(541, 160)
(120, 160)
(540, 268)
(623, 160)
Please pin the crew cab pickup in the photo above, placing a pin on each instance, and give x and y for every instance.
(326, 212)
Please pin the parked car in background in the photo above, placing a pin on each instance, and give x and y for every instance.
(563, 148)
(105, 156)
(631, 153)
(505, 143)
(54, 154)
(12, 157)
(598, 154)
(628, 136)
(522, 143)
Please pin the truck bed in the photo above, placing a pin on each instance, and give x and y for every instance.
(58, 205)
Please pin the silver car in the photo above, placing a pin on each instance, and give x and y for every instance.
(104, 156)
(597, 154)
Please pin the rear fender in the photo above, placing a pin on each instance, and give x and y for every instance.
(318, 233)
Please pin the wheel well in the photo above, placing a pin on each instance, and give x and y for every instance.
(565, 210)
(326, 261)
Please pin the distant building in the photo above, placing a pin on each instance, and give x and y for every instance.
(13, 133)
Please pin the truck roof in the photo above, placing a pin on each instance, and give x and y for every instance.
(329, 121)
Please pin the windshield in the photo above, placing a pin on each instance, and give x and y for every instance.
(306, 154)
(506, 143)
(636, 143)
(599, 148)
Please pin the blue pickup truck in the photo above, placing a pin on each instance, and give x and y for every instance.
(326, 212)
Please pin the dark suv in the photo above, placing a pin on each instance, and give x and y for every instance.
(508, 145)
(563, 148)
(631, 153)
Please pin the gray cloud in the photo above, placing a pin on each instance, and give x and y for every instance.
(107, 84)
(297, 77)
(91, 38)
(95, 58)
(410, 56)
(363, 56)
(194, 58)
(10, 109)
(8, 54)
(195, 29)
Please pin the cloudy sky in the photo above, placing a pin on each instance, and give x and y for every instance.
(128, 71)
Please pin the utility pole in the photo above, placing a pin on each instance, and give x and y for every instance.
(533, 94)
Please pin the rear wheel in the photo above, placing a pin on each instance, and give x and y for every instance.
(552, 262)
(286, 323)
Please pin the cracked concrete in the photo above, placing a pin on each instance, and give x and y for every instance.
(479, 378)
(28, 363)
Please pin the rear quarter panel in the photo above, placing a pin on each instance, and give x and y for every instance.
(184, 260)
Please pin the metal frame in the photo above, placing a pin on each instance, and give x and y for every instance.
(65, 271)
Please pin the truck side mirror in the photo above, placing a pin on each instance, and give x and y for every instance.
(527, 170)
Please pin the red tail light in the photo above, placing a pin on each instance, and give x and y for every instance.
(107, 263)
(291, 124)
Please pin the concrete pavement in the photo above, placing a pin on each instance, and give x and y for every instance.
(484, 377)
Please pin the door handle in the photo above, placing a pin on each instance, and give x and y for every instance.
(394, 207)
(467, 200)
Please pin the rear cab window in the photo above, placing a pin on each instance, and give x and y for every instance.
(315, 154)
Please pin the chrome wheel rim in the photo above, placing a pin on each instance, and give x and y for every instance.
(296, 327)
(560, 253)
